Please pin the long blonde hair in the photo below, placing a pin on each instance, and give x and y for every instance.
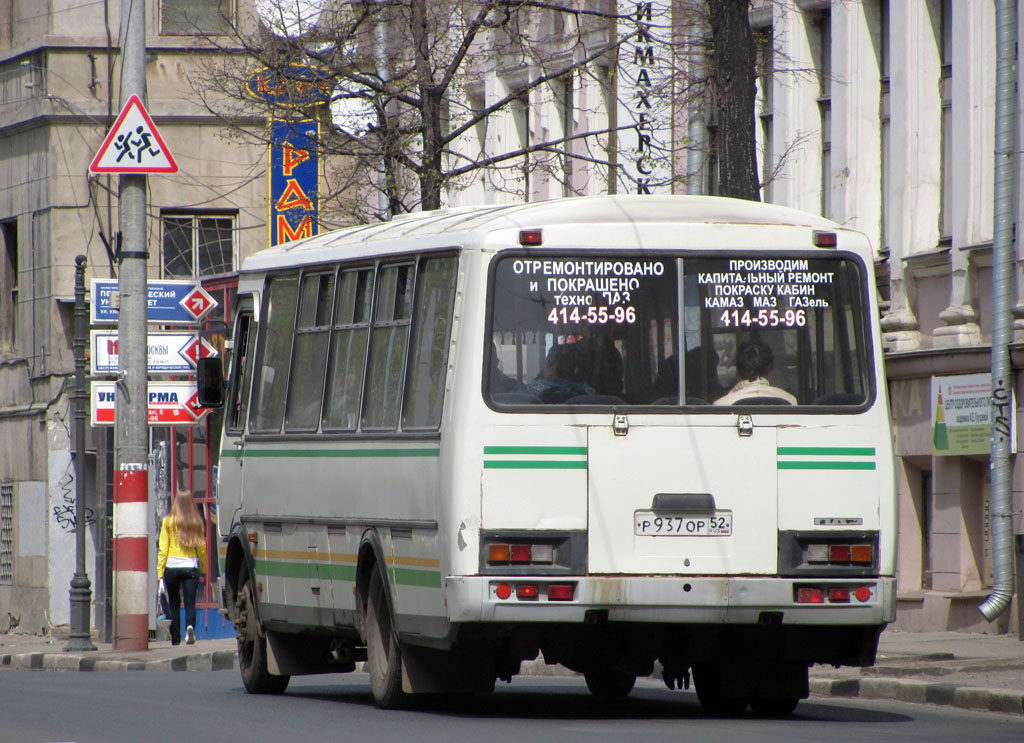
(186, 520)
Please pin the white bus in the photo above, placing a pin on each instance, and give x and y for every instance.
(619, 433)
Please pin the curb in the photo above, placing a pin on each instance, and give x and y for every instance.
(218, 660)
(922, 692)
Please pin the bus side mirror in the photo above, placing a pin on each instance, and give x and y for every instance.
(210, 382)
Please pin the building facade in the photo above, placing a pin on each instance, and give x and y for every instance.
(59, 96)
(880, 115)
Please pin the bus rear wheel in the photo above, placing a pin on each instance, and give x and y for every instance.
(252, 646)
(383, 655)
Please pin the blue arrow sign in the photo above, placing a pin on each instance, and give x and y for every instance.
(169, 302)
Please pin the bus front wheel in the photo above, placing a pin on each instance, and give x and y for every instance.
(252, 646)
(383, 655)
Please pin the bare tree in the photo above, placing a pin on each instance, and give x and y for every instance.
(414, 111)
(405, 77)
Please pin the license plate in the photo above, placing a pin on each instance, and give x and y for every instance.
(651, 524)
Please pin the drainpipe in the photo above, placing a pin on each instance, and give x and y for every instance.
(1002, 257)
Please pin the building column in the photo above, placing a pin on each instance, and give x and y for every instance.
(796, 127)
(856, 126)
(912, 204)
(972, 163)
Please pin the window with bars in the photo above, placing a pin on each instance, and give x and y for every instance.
(196, 245)
(6, 533)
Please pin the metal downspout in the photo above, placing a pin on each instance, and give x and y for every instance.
(1002, 258)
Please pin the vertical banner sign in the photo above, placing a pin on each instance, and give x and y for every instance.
(294, 153)
(294, 180)
(645, 96)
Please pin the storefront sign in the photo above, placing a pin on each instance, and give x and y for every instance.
(961, 415)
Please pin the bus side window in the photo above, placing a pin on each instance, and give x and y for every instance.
(274, 353)
(348, 349)
(428, 361)
(309, 357)
(241, 370)
(389, 340)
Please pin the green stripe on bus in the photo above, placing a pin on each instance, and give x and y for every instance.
(330, 453)
(525, 464)
(536, 450)
(418, 578)
(825, 465)
(828, 451)
(312, 571)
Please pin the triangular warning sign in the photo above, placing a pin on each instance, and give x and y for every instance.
(133, 145)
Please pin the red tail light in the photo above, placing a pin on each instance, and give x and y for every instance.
(560, 592)
(810, 595)
(527, 591)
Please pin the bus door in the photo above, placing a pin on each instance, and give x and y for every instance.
(229, 494)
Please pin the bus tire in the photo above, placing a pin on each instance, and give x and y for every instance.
(252, 645)
(383, 654)
(607, 683)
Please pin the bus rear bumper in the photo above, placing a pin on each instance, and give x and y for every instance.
(673, 599)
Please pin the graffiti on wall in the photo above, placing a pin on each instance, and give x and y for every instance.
(64, 510)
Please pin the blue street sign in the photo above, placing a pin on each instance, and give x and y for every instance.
(173, 302)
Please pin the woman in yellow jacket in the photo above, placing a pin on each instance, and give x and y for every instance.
(181, 560)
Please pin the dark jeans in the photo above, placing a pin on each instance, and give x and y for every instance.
(181, 581)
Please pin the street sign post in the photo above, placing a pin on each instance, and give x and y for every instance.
(172, 302)
(169, 404)
(168, 352)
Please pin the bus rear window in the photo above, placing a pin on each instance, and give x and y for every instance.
(663, 331)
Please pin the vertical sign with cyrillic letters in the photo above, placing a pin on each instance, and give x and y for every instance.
(294, 180)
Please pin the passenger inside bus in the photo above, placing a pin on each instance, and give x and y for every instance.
(560, 378)
(753, 364)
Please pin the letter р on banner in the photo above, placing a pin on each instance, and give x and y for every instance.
(294, 180)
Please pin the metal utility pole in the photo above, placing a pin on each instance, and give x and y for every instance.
(81, 587)
(1002, 282)
(131, 483)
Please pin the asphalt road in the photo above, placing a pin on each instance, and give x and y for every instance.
(129, 707)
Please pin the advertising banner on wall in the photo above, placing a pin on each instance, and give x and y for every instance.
(962, 415)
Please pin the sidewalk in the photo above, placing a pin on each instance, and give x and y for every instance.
(969, 671)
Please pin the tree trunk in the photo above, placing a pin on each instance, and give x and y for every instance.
(733, 78)
(430, 111)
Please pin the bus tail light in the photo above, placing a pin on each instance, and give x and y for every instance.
(527, 591)
(560, 592)
(810, 595)
(839, 595)
(533, 591)
(825, 594)
(852, 553)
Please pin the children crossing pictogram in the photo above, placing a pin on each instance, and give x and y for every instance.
(133, 145)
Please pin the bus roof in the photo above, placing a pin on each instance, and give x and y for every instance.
(414, 231)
